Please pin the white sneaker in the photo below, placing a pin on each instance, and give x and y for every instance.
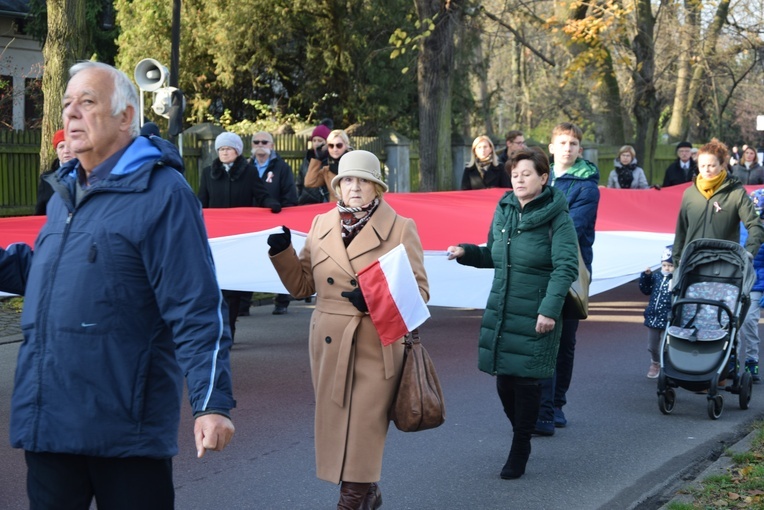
(655, 370)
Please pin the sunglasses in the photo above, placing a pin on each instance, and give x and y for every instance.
(260, 142)
(333, 145)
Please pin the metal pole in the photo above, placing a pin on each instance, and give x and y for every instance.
(175, 50)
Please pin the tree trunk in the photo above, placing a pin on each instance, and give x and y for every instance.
(606, 98)
(434, 65)
(708, 50)
(646, 106)
(679, 122)
(65, 44)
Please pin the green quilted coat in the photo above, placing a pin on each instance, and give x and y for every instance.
(534, 253)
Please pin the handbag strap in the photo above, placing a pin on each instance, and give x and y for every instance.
(412, 337)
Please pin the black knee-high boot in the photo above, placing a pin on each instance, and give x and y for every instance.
(527, 400)
(506, 390)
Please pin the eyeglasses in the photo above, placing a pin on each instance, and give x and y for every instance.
(223, 149)
(260, 142)
(333, 145)
(518, 142)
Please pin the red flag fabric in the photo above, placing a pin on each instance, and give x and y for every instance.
(392, 295)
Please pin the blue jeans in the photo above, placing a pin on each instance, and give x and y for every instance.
(554, 389)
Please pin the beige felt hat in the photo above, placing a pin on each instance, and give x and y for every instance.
(361, 164)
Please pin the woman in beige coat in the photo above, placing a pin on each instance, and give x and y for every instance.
(354, 376)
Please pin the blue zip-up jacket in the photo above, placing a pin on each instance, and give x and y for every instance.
(120, 302)
(758, 262)
(580, 185)
(656, 285)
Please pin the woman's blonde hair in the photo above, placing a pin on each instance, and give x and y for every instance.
(629, 149)
(475, 142)
(339, 133)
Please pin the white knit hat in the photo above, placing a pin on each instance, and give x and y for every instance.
(226, 139)
(361, 164)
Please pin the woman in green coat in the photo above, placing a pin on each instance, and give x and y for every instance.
(533, 248)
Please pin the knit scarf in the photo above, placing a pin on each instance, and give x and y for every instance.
(352, 225)
(626, 175)
(483, 165)
(708, 187)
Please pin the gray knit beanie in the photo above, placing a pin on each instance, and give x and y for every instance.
(232, 140)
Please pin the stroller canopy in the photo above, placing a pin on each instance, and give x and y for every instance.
(706, 251)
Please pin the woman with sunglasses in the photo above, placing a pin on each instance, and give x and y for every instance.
(323, 169)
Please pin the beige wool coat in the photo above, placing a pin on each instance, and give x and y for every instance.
(354, 376)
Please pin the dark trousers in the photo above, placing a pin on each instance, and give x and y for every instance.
(281, 300)
(554, 390)
(233, 300)
(60, 481)
(245, 303)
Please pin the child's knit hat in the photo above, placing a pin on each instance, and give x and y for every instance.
(666, 257)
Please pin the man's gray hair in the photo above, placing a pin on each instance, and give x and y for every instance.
(124, 95)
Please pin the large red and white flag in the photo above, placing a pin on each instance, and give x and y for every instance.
(633, 228)
(392, 295)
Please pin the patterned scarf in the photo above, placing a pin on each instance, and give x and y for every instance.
(708, 187)
(626, 175)
(351, 225)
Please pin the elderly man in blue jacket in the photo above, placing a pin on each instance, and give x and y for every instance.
(121, 301)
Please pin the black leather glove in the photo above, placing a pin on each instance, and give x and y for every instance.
(279, 242)
(356, 298)
(275, 208)
(321, 152)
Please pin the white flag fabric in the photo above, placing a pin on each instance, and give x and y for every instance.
(392, 295)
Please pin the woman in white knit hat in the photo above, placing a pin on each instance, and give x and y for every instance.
(231, 181)
(354, 375)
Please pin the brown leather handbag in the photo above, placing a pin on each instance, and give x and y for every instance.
(418, 403)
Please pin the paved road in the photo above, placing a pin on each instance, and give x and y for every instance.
(617, 450)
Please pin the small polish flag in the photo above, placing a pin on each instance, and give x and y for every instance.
(392, 295)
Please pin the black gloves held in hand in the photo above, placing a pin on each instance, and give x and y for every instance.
(321, 152)
(279, 242)
(275, 208)
(356, 298)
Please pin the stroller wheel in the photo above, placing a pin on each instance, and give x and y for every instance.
(746, 388)
(715, 407)
(666, 401)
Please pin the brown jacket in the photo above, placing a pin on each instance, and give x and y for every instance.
(318, 175)
(354, 377)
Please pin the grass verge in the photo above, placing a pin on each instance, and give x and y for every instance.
(741, 487)
(15, 304)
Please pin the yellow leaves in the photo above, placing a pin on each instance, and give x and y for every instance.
(746, 470)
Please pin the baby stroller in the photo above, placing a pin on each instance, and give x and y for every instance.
(700, 344)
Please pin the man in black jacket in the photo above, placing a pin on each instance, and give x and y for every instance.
(279, 181)
(684, 169)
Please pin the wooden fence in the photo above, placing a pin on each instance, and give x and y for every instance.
(19, 168)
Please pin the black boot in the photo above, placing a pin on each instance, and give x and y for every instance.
(506, 390)
(373, 499)
(527, 399)
(352, 495)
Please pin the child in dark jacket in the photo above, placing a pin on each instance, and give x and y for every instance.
(656, 285)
